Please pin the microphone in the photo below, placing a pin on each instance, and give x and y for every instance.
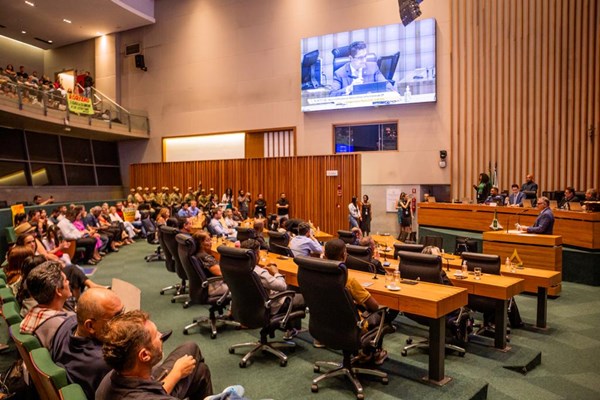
(369, 265)
(447, 263)
(519, 215)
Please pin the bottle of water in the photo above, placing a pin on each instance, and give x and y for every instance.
(464, 268)
(507, 263)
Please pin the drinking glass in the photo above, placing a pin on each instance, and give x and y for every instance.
(477, 271)
(397, 278)
(389, 278)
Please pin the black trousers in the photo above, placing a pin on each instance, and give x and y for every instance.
(196, 385)
(89, 243)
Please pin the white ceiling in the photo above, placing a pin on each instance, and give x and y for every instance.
(89, 19)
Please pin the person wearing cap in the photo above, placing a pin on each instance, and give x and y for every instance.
(132, 346)
(139, 198)
(148, 198)
(175, 199)
(305, 244)
(131, 196)
(203, 200)
(156, 200)
(165, 197)
(189, 196)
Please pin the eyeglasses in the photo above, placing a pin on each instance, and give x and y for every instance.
(360, 57)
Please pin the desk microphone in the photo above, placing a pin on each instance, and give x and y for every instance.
(518, 218)
(447, 264)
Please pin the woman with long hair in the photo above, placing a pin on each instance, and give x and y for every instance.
(353, 213)
(365, 213)
(403, 206)
(483, 187)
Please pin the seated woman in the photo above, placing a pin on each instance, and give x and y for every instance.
(91, 232)
(163, 216)
(77, 278)
(14, 260)
(209, 263)
(115, 217)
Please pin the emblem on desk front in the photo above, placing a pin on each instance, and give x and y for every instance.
(516, 260)
(495, 225)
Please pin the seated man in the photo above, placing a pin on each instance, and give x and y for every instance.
(259, 227)
(70, 232)
(515, 199)
(132, 346)
(368, 241)
(305, 243)
(274, 282)
(184, 212)
(568, 198)
(356, 71)
(336, 250)
(77, 344)
(494, 197)
(215, 227)
(49, 286)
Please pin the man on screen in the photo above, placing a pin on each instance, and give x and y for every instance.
(356, 72)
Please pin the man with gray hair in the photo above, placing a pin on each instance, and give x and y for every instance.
(544, 223)
(49, 286)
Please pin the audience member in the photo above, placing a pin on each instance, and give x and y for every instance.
(49, 286)
(305, 243)
(243, 201)
(353, 213)
(283, 206)
(82, 239)
(260, 207)
(132, 346)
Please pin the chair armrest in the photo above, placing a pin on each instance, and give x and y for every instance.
(288, 294)
(215, 279)
(383, 311)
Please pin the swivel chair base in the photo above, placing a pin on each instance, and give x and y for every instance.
(213, 321)
(345, 368)
(264, 345)
(425, 345)
(175, 287)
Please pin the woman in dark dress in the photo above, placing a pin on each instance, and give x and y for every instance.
(365, 212)
(404, 213)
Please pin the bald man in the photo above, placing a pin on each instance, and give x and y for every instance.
(77, 346)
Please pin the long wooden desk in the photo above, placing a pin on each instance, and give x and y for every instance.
(580, 229)
(425, 299)
(534, 281)
(497, 287)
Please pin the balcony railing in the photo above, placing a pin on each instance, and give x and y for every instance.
(53, 102)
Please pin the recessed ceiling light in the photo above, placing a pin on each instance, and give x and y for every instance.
(23, 32)
(30, 3)
(49, 41)
(68, 21)
(99, 33)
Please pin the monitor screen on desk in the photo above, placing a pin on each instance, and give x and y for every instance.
(385, 65)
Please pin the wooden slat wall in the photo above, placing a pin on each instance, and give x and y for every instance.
(312, 194)
(526, 92)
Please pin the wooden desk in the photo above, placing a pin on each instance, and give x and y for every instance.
(425, 299)
(534, 281)
(580, 229)
(497, 287)
(323, 236)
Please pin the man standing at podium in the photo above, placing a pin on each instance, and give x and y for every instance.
(544, 223)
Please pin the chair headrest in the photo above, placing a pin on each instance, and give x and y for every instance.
(169, 230)
(489, 258)
(409, 256)
(234, 252)
(320, 265)
(185, 240)
(276, 234)
(345, 233)
(358, 250)
(415, 248)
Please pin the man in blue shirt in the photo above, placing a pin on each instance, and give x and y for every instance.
(305, 243)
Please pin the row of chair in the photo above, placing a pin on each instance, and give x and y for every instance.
(49, 380)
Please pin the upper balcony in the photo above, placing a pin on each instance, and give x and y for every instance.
(28, 108)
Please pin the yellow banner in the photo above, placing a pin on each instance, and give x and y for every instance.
(80, 104)
(129, 214)
(16, 209)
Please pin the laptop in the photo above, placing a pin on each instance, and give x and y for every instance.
(527, 203)
(372, 87)
(575, 206)
(431, 199)
(553, 204)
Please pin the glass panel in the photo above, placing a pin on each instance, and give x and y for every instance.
(43, 147)
(105, 153)
(80, 176)
(372, 137)
(13, 145)
(13, 174)
(76, 151)
(47, 174)
(109, 176)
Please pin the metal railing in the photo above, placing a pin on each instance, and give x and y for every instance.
(53, 102)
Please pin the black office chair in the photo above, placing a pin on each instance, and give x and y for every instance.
(334, 319)
(198, 285)
(341, 56)
(169, 263)
(346, 236)
(359, 258)
(280, 238)
(252, 304)
(168, 236)
(152, 238)
(402, 236)
(429, 240)
(489, 264)
(465, 244)
(281, 250)
(414, 248)
(245, 233)
(427, 268)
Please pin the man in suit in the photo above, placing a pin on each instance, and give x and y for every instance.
(515, 199)
(544, 223)
(569, 198)
(356, 71)
(530, 188)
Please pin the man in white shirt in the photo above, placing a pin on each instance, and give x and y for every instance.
(81, 238)
(305, 243)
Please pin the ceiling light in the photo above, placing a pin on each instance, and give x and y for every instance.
(49, 41)
(99, 33)
(30, 3)
(23, 32)
(68, 21)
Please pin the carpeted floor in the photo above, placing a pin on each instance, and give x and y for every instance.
(570, 349)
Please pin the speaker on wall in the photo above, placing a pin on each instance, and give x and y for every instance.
(139, 62)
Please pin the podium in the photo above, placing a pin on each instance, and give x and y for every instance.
(536, 251)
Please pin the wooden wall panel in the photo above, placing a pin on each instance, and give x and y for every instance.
(312, 194)
(526, 92)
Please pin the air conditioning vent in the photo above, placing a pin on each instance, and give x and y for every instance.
(133, 49)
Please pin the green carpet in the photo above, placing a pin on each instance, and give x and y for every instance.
(570, 366)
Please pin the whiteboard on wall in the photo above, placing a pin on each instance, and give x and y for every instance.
(205, 147)
(392, 194)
